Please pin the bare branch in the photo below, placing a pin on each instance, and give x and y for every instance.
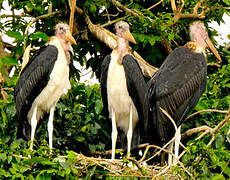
(197, 6)
(72, 6)
(195, 15)
(153, 6)
(195, 130)
(206, 110)
(173, 4)
(129, 11)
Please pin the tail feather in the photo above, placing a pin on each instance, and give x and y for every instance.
(23, 128)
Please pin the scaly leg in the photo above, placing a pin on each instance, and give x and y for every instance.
(33, 126)
(114, 134)
(177, 144)
(130, 131)
(170, 157)
(50, 127)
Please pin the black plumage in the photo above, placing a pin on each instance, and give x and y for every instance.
(123, 88)
(136, 87)
(176, 88)
(42, 82)
(33, 79)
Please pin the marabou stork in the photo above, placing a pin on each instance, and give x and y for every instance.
(123, 88)
(42, 82)
(177, 87)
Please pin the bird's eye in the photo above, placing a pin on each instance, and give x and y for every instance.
(119, 27)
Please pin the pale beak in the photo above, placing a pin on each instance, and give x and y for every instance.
(69, 38)
(213, 49)
(128, 36)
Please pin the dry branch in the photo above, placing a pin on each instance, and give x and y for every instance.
(179, 15)
(153, 6)
(72, 5)
(206, 110)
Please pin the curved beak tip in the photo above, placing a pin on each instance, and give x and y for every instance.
(129, 37)
(213, 49)
(70, 38)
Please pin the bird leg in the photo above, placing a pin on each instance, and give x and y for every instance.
(170, 157)
(50, 127)
(33, 126)
(177, 143)
(114, 134)
(130, 131)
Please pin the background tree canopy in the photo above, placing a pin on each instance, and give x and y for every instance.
(158, 27)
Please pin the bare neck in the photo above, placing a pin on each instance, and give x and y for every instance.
(66, 47)
(122, 48)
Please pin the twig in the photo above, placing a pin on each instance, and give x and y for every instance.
(167, 151)
(109, 152)
(214, 64)
(114, 21)
(206, 110)
(153, 6)
(15, 16)
(218, 127)
(195, 130)
(19, 156)
(129, 11)
(179, 15)
(197, 6)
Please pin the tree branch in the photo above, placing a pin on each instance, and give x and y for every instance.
(179, 15)
(129, 11)
(206, 110)
(153, 6)
(72, 6)
(173, 4)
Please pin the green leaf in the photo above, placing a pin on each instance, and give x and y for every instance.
(218, 177)
(9, 61)
(4, 173)
(227, 85)
(225, 167)
(3, 156)
(15, 34)
(227, 2)
(80, 138)
(151, 40)
(38, 35)
(98, 106)
(38, 160)
(219, 141)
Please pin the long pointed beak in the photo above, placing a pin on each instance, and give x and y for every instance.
(70, 38)
(128, 36)
(213, 49)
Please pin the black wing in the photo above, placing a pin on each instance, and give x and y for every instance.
(32, 81)
(137, 88)
(176, 88)
(103, 82)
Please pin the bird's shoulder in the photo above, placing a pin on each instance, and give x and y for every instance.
(38, 68)
(182, 67)
(43, 56)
